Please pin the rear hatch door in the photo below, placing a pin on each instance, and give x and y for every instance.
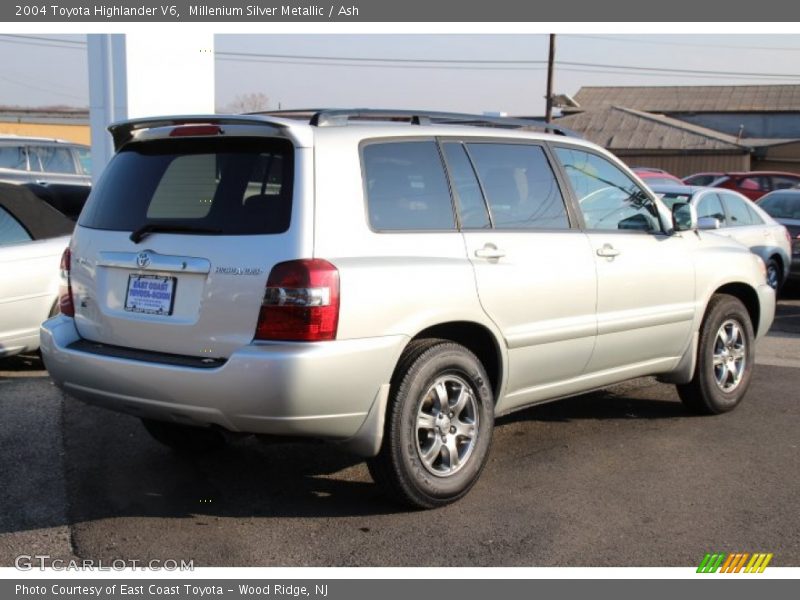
(175, 244)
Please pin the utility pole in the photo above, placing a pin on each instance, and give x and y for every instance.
(548, 116)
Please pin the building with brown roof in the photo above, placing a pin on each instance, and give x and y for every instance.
(690, 129)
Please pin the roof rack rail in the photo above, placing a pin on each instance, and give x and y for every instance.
(342, 116)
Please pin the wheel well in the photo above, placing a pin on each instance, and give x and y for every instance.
(748, 297)
(478, 340)
(777, 258)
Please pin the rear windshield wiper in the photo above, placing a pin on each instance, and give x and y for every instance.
(145, 230)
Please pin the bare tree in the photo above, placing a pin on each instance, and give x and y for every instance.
(244, 103)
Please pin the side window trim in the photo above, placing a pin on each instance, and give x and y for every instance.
(454, 195)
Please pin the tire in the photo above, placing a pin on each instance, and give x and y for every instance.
(774, 274)
(431, 457)
(184, 439)
(725, 358)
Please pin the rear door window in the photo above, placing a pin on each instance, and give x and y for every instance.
(53, 159)
(227, 186)
(711, 206)
(520, 186)
(406, 187)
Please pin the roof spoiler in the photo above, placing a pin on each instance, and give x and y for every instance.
(123, 132)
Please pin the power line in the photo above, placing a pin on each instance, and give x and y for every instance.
(383, 65)
(39, 89)
(688, 71)
(359, 59)
(497, 64)
(451, 63)
(47, 39)
(629, 40)
(41, 44)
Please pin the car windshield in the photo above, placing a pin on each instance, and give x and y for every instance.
(782, 206)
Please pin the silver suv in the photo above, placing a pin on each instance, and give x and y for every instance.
(389, 281)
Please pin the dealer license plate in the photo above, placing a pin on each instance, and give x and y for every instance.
(152, 294)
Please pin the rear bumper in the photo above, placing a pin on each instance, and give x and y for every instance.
(331, 390)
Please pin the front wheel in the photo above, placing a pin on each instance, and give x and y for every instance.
(439, 426)
(725, 358)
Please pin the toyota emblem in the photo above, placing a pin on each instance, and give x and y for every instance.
(143, 259)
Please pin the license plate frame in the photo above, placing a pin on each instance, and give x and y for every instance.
(148, 298)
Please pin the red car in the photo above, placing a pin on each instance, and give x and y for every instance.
(653, 176)
(752, 184)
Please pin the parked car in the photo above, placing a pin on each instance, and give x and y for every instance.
(67, 198)
(752, 184)
(652, 176)
(735, 216)
(43, 160)
(387, 280)
(33, 237)
(784, 207)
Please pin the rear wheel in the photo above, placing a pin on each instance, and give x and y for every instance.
(439, 426)
(725, 358)
(184, 439)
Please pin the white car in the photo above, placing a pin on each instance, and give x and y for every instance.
(33, 236)
(737, 217)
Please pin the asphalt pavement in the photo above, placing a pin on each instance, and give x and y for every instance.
(623, 477)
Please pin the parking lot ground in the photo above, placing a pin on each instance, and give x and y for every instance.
(623, 477)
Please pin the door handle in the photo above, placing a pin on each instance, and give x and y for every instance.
(607, 251)
(490, 251)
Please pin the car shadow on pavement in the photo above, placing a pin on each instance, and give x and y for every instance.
(787, 317)
(114, 469)
(111, 467)
(600, 405)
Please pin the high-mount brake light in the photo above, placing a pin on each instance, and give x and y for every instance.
(65, 304)
(301, 302)
(190, 130)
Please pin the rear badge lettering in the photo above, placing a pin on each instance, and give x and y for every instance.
(238, 270)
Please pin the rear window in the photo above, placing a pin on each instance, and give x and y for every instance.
(782, 206)
(13, 157)
(225, 186)
(406, 187)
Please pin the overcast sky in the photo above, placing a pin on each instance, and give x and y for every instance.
(36, 71)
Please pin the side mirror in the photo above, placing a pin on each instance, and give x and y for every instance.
(684, 216)
(708, 223)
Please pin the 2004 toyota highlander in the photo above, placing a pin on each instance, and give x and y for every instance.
(388, 280)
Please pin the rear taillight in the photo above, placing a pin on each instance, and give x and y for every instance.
(301, 302)
(65, 304)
